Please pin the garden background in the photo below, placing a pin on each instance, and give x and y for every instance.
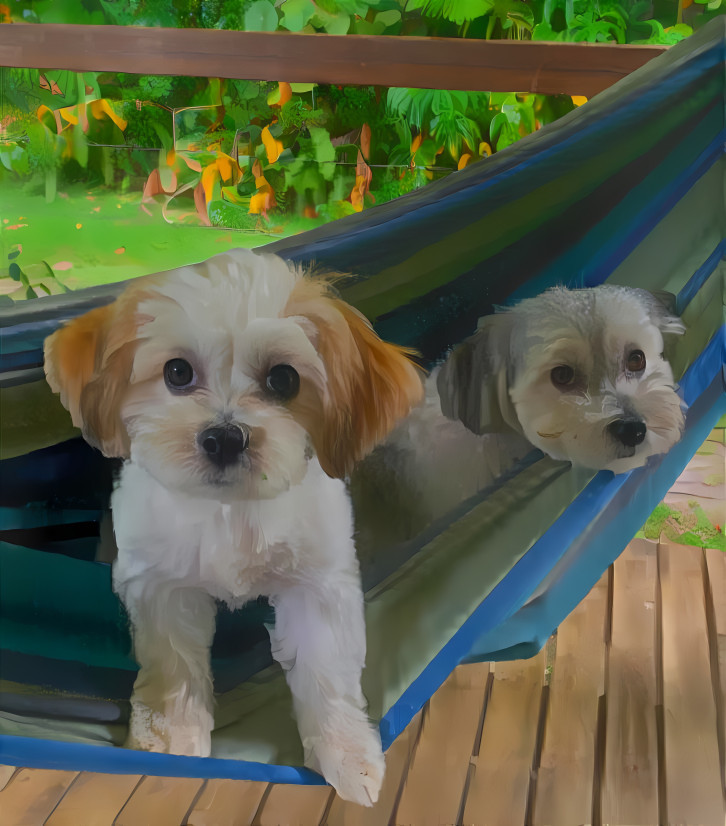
(100, 171)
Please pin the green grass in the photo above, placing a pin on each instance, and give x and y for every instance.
(91, 237)
(669, 521)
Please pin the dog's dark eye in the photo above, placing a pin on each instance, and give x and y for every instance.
(178, 374)
(283, 381)
(636, 361)
(562, 376)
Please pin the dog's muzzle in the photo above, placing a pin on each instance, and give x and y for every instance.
(629, 432)
(224, 445)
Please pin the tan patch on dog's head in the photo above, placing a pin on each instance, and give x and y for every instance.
(370, 384)
(88, 362)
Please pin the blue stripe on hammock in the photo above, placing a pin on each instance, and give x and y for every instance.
(55, 754)
(658, 209)
(14, 357)
(699, 278)
(648, 220)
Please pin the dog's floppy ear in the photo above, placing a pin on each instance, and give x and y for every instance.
(88, 361)
(662, 309)
(371, 384)
(473, 383)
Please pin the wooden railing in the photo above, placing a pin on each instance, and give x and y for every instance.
(423, 62)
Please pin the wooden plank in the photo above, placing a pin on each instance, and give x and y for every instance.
(630, 782)
(228, 802)
(693, 777)
(716, 565)
(6, 772)
(32, 794)
(93, 800)
(289, 805)
(564, 791)
(437, 775)
(398, 759)
(161, 801)
(433, 63)
(499, 786)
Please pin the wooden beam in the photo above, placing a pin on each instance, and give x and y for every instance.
(423, 62)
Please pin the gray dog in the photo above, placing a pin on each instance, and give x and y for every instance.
(580, 373)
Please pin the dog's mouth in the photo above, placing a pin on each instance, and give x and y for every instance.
(550, 435)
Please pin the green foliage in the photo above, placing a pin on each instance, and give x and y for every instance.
(45, 283)
(246, 154)
(619, 21)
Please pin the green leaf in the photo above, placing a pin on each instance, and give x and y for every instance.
(52, 275)
(15, 160)
(441, 102)
(458, 11)
(389, 18)
(301, 88)
(260, 17)
(165, 137)
(359, 7)
(500, 98)
(296, 14)
(80, 146)
(543, 31)
(460, 100)
(332, 23)
(166, 175)
(324, 151)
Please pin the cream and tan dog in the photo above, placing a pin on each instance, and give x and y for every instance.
(239, 392)
(581, 374)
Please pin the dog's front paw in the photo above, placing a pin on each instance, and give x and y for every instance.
(155, 731)
(350, 758)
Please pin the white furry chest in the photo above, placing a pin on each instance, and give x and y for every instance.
(234, 551)
(239, 555)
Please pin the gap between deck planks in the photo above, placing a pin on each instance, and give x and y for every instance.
(495, 745)
(630, 782)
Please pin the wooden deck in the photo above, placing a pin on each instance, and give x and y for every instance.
(620, 720)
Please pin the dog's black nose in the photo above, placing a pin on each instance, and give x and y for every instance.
(224, 445)
(629, 432)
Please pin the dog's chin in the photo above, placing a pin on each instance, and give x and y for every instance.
(628, 463)
(595, 450)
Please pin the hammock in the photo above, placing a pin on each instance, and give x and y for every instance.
(625, 190)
